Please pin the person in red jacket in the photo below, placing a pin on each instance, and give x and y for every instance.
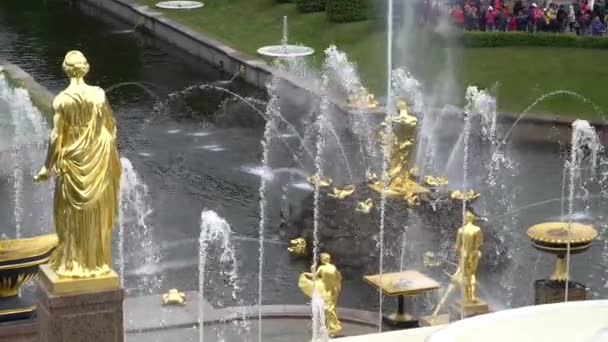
(490, 19)
(458, 16)
(512, 25)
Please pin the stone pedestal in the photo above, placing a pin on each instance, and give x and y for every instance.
(83, 316)
(431, 321)
(553, 291)
(459, 311)
(19, 331)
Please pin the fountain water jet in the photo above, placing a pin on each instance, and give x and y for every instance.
(584, 139)
(134, 229)
(216, 233)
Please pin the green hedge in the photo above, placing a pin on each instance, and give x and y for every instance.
(498, 39)
(341, 11)
(307, 6)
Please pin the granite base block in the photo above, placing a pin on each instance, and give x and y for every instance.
(19, 331)
(80, 317)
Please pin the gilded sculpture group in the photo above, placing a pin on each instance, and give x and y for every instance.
(83, 155)
(399, 146)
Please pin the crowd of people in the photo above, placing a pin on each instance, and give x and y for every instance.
(583, 17)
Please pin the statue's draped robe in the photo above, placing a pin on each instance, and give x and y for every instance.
(88, 176)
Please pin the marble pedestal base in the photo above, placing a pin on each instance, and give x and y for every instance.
(80, 317)
(19, 331)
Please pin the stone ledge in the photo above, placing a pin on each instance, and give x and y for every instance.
(41, 97)
(410, 335)
(178, 316)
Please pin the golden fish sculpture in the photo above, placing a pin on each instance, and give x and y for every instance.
(174, 297)
(342, 193)
(435, 181)
(321, 182)
(465, 196)
(365, 207)
(297, 246)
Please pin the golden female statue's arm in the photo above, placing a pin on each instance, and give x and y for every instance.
(109, 119)
(54, 147)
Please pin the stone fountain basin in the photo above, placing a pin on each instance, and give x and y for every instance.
(19, 261)
(585, 321)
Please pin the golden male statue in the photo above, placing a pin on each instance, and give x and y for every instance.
(468, 244)
(327, 282)
(82, 153)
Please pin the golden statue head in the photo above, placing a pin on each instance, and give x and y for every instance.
(75, 64)
(402, 105)
(325, 258)
(469, 217)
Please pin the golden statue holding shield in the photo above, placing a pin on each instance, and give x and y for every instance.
(82, 153)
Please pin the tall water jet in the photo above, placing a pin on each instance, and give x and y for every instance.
(133, 229)
(585, 145)
(388, 134)
(272, 108)
(317, 321)
(215, 236)
(28, 135)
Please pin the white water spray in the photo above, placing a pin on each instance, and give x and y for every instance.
(273, 107)
(584, 138)
(215, 233)
(133, 227)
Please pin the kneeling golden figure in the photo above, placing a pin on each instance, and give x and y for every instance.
(327, 282)
(82, 153)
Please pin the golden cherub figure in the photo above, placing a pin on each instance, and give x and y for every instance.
(82, 153)
(468, 244)
(297, 246)
(174, 297)
(326, 281)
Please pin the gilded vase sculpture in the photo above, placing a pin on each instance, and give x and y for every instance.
(83, 155)
(326, 281)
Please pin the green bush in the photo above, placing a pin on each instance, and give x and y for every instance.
(307, 6)
(341, 11)
(498, 39)
(285, 1)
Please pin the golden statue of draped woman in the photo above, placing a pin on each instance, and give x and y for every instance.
(82, 153)
(327, 282)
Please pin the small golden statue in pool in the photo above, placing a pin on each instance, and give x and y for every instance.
(469, 240)
(468, 248)
(297, 246)
(82, 153)
(325, 281)
(174, 297)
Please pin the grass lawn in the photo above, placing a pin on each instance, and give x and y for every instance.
(522, 73)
